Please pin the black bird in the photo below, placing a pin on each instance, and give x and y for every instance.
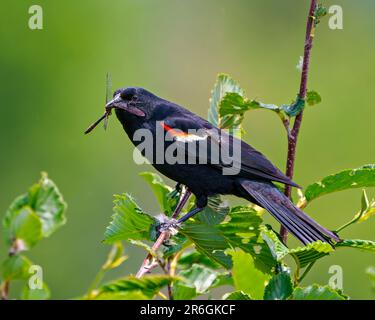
(137, 108)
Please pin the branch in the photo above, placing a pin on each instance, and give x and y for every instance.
(148, 263)
(293, 135)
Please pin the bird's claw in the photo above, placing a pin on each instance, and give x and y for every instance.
(171, 226)
(167, 225)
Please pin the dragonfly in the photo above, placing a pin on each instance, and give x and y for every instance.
(107, 113)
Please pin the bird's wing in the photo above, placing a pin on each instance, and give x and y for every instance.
(248, 162)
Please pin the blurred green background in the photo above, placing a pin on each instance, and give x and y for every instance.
(52, 85)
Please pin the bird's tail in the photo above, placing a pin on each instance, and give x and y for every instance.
(286, 213)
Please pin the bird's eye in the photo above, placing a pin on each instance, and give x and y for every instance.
(135, 98)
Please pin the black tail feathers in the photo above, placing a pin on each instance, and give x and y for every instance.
(286, 213)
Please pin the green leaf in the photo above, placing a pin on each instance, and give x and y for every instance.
(215, 212)
(161, 191)
(47, 202)
(311, 252)
(183, 291)
(280, 287)
(364, 245)
(193, 257)
(128, 221)
(313, 98)
(16, 267)
(367, 209)
(347, 179)
(198, 278)
(236, 295)
(223, 279)
(223, 85)
(147, 285)
(208, 241)
(131, 295)
(233, 107)
(302, 255)
(278, 249)
(316, 292)
(23, 230)
(44, 202)
(246, 276)
(115, 257)
(240, 229)
(35, 294)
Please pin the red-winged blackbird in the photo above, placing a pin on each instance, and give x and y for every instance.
(137, 108)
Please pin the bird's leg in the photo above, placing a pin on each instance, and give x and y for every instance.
(201, 203)
(167, 224)
(181, 202)
(189, 215)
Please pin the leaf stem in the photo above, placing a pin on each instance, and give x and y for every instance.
(4, 290)
(307, 270)
(293, 135)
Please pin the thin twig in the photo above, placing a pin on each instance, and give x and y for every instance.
(4, 290)
(293, 136)
(168, 268)
(147, 264)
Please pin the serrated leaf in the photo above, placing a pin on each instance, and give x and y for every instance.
(223, 85)
(147, 285)
(316, 292)
(208, 241)
(278, 249)
(246, 276)
(313, 98)
(311, 252)
(215, 211)
(302, 255)
(365, 245)
(132, 295)
(280, 287)
(128, 221)
(16, 267)
(23, 229)
(236, 295)
(161, 191)
(240, 229)
(35, 294)
(347, 179)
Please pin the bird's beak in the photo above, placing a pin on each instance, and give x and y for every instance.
(118, 103)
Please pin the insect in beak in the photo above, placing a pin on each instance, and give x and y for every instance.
(104, 117)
